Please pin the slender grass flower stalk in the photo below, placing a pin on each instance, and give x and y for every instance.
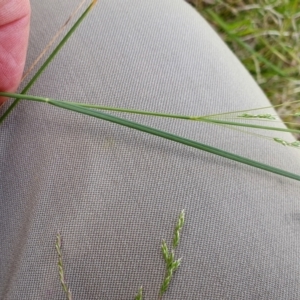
(208, 119)
(61, 271)
(53, 40)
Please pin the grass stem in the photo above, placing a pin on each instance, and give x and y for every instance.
(47, 62)
(166, 135)
(61, 272)
(207, 118)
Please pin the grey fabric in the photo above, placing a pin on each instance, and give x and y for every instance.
(115, 193)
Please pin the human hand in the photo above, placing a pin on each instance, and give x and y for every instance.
(14, 33)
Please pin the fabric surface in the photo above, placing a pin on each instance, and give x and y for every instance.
(115, 193)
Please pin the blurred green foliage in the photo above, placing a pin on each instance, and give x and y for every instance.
(265, 35)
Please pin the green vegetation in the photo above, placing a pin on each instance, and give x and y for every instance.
(169, 258)
(265, 35)
(266, 71)
(169, 136)
(61, 271)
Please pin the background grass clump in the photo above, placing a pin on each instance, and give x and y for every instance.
(265, 35)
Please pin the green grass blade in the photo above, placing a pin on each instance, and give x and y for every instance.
(157, 132)
(48, 60)
(170, 136)
(206, 119)
(224, 27)
(174, 138)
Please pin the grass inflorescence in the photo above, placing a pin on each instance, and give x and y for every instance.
(168, 256)
(82, 109)
(139, 295)
(61, 271)
(265, 36)
(171, 263)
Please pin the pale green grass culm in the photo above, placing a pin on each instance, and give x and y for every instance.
(83, 109)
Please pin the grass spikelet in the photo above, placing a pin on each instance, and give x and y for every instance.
(178, 228)
(139, 296)
(61, 272)
(169, 256)
(165, 251)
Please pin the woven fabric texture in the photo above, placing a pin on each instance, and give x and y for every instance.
(114, 193)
